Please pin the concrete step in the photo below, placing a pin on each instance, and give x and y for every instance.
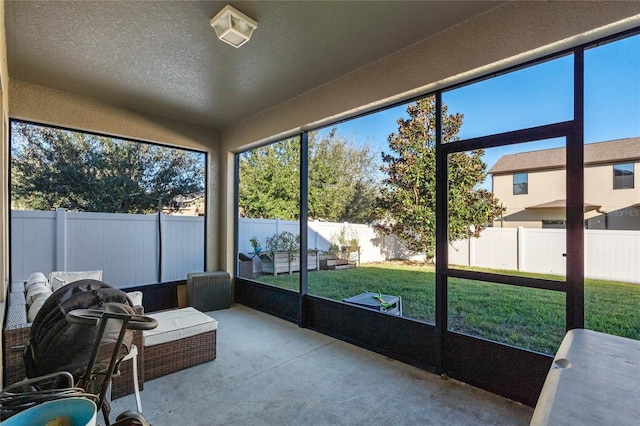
(337, 262)
(346, 266)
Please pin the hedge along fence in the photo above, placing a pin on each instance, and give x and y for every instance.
(130, 249)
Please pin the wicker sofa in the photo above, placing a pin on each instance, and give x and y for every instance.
(184, 338)
(16, 333)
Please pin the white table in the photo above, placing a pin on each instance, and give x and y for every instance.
(594, 380)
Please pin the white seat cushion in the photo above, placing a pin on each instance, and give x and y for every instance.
(36, 278)
(178, 324)
(136, 297)
(58, 279)
(36, 289)
(36, 305)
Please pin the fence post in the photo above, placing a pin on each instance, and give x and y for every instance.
(160, 239)
(61, 239)
(520, 248)
(472, 251)
(315, 234)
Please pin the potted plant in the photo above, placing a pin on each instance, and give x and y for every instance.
(349, 244)
(255, 243)
(284, 241)
(282, 254)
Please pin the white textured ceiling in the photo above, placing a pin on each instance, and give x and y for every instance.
(163, 57)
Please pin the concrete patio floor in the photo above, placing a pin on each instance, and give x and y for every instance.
(270, 372)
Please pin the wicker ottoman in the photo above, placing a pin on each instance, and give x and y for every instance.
(184, 338)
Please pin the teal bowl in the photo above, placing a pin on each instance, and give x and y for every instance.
(81, 412)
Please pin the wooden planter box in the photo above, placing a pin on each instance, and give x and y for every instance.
(278, 262)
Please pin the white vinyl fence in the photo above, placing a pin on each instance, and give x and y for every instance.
(124, 246)
(373, 247)
(609, 255)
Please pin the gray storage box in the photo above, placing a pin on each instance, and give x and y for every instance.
(208, 291)
(366, 300)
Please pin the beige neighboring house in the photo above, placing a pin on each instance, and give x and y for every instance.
(532, 186)
(190, 207)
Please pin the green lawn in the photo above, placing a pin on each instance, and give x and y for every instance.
(524, 317)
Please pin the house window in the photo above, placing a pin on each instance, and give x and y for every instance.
(553, 224)
(623, 176)
(520, 183)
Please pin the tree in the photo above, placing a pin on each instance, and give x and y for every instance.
(341, 185)
(53, 168)
(408, 197)
(270, 181)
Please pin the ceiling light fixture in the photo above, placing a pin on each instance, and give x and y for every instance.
(233, 26)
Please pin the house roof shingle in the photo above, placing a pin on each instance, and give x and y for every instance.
(555, 158)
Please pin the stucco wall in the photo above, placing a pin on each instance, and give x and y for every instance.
(44, 105)
(505, 36)
(549, 185)
(598, 188)
(37, 103)
(4, 85)
(4, 149)
(543, 187)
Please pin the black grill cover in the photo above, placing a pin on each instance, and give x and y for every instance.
(57, 345)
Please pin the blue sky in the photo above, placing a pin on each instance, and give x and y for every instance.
(535, 96)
